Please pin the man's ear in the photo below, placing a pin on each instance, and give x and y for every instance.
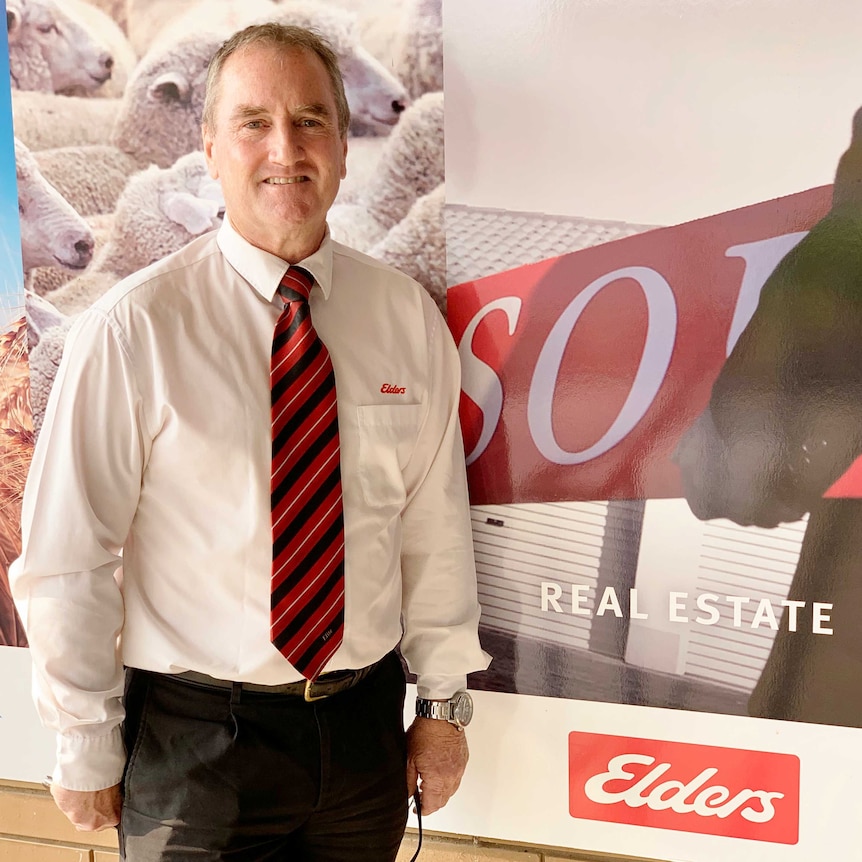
(208, 146)
(344, 158)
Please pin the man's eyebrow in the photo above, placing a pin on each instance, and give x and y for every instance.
(317, 109)
(240, 112)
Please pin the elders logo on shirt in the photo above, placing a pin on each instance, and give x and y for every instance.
(690, 788)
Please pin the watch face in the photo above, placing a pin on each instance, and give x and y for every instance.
(462, 709)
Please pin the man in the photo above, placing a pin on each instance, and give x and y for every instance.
(158, 444)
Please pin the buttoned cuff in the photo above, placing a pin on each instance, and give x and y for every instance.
(89, 762)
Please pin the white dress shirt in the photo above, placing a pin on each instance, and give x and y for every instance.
(155, 453)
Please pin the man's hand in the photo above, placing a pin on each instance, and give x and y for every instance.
(437, 754)
(89, 810)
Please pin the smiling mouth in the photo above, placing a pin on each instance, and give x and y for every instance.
(285, 181)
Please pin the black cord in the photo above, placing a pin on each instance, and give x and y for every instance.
(418, 803)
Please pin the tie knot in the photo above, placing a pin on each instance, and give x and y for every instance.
(295, 285)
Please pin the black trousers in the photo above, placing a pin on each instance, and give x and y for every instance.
(216, 777)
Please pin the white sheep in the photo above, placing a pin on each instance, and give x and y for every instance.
(417, 245)
(117, 10)
(160, 114)
(44, 361)
(145, 19)
(160, 211)
(419, 48)
(50, 50)
(91, 178)
(51, 231)
(41, 316)
(106, 31)
(411, 165)
(44, 121)
(159, 118)
(45, 279)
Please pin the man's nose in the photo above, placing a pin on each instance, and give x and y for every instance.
(286, 145)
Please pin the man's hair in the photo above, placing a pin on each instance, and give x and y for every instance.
(283, 36)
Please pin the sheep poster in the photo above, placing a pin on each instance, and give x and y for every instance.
(656, 300)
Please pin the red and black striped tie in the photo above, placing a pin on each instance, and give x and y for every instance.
(307, 515)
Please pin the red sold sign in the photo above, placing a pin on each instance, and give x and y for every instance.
(690, 788)
(580, 373)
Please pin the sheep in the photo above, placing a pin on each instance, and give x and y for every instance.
(417, 245)
(410, 166)
(51, 51)
(117, 10)
(160, 115)
(107, 32)
(44, 121)
(45, 279)
(91, 178)
(51, 231)
(44, 361)
(160, 211)
(41, 316)
(147, 18)
(419, 51)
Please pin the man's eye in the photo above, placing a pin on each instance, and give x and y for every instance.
(47, 28)
(254, 124)
(309, 123)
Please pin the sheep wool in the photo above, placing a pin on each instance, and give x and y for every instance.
(417, 245)
(91, 178)
(44, 121)
(44, 361)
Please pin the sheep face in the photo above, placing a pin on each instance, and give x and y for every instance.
(76, 61)
(376, 97)
(160, 114)
(52, 233)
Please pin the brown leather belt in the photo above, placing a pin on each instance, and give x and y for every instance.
(326, 685)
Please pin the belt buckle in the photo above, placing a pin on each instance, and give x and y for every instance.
(309, 697)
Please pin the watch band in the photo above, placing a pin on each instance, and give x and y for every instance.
(458, 710)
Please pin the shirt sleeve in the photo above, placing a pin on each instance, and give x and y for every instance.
(79, 502)
(440, 609)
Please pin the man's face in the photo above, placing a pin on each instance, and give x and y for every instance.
(276, 148)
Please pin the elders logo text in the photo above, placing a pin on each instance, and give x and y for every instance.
(690, 788)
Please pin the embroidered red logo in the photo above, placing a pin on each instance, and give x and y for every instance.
(690, 788)
(391, 389)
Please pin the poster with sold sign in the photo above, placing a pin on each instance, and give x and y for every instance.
(654, 242)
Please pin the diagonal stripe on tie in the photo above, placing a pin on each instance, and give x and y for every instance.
(307, 592)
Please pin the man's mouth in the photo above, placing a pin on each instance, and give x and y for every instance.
(285, 181)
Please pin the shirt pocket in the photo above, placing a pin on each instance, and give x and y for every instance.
(387, 436)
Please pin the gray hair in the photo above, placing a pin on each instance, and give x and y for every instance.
(286, 37)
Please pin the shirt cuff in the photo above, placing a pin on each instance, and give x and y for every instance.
(439, 687)
(89, 763)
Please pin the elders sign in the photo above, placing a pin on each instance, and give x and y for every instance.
(690, 788)
(580, 373)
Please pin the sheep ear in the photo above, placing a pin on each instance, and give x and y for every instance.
(192, 213)
(170, 87)
(13, 23)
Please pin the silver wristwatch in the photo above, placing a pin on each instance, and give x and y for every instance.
(458, 710)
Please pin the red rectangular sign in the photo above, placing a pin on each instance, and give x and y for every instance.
(580, 373)
(730, 792)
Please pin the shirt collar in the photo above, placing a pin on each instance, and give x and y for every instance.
(263, 271)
